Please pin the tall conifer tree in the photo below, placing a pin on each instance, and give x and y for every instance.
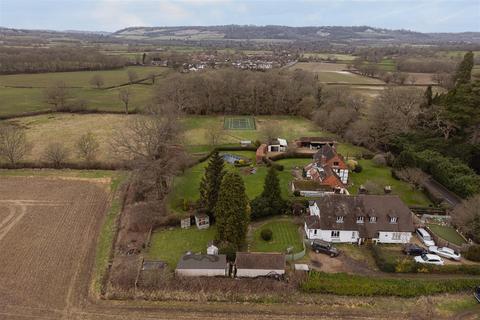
(270, 202)
(232, 212)
(210, 184)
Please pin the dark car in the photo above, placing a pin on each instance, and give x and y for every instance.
(477, 293)
(320, 246)
(413, 250)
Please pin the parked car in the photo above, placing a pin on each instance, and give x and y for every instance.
(428, 258)
(320, 246)
(425, 237)
(477, 293)
(445, 252)
(413, 250)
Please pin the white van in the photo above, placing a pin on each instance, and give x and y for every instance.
(425, 237)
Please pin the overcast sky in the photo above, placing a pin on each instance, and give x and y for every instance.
(111, 15)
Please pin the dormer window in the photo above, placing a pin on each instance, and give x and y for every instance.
(373, 219)
(340, 219)
(393, 219)
(360, 219)
(335, 163)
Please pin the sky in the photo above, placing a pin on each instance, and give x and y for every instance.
(112, 15)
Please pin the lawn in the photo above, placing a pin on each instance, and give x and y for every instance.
(285, 235)
(186, 185)
(170, 245)
(381, 176)
(78, 78)
(447, 233)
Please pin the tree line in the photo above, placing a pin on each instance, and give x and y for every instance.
(228, 91)
(57, 59)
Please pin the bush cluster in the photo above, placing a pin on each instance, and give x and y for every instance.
(473, 253)
(266, 234)
(354, 285)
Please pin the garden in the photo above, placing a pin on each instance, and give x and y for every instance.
(276, 235)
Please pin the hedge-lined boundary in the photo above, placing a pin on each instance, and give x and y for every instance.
(68, 165)
(354, 285)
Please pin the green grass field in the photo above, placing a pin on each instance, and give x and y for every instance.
(447, 233)
(382, 177)
(78, 78)
(285, 235)
(334, 73)
(338, 56)
(20, 100)
(170, 245)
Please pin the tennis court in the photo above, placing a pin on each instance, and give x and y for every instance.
(239, 123)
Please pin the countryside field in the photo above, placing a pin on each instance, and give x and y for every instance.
(335, 72)
(48, 235)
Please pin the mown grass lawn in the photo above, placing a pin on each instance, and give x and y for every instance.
(447, 233)
(285, 235)
(381, 175)
(170, 245)
(186, 185)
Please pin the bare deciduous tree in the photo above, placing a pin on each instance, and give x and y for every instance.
(214, 134)
(414, 176)
(467, 217)
(87, 147)
(13, 143)
(57, 95)
(125, 95)
(150, 144)
(97, 81)
(132, 76)
(56, 153)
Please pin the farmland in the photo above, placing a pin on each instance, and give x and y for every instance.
(335, 73)
(48, 233)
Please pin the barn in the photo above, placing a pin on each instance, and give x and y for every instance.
(259, 264)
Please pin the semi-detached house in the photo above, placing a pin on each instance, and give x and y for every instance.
(356, 219)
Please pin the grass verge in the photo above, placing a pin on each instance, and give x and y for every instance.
(354, 285)
(107, 233)
(447, 233)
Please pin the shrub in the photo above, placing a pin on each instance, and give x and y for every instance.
(352, 164)
(473, 253)
(379, 160)
(296, 193)
(229, 249)
(358, 168)
(367, 155)
(266, 234)
(405, 159)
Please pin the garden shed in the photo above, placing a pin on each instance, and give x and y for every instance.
(202, 265)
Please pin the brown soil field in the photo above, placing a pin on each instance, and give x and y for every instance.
(48, 231)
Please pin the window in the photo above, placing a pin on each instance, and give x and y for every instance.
(315, 231)
(373, 219)
(335, 234)
(335, 163)
(360, 219)
(354, 234)
(393, 219)
(340, 219)
(396, 236)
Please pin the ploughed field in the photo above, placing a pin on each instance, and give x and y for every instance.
(48, 230)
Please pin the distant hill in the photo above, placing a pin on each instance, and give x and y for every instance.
(283, 33)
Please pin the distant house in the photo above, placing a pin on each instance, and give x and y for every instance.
(202, 221)
(202, 265)
(325, 176)
(314, 142)
(259, 264)
(261, 152)
(356, 219)
(328, 156)
(277, 145)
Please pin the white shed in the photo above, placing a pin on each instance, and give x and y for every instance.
(202, 265)
(259, 264)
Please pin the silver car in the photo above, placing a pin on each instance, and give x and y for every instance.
(445, 252)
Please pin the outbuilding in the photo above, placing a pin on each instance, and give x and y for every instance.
(259, 264)
(202, 265)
